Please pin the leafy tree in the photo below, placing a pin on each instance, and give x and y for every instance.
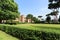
(29, 16)
(39, 16)
(59, 19)
(36, 20)
(54, 6)
(8, 10)
(48, 19)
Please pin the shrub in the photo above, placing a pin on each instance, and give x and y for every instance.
(12, 23)
(25, 34)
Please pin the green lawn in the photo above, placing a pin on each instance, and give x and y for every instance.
(54, 28)
(24, 28)
(4, 36)
(42, 27)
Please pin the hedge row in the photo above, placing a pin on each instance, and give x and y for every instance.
(24, 34)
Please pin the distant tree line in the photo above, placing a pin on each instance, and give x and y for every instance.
(47, 20)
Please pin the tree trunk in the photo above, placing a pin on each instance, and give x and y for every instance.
(56, 19)
(0, 21)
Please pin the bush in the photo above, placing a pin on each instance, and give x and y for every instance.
(25, 34)
(12, 23)
(22, 22)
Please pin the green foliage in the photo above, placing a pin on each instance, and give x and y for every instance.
(54, 5)
(39, 16)
(8, 10)
(54, 13)
(12, 22)
(29, 16)
(48, 19)
(36, 20)
(53, 0)
(59, 19)
(25, 34)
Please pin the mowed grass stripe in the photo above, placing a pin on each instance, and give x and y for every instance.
(54, 28)
(4, 36)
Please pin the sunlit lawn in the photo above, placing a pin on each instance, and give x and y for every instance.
(54, 28)
(4, 36)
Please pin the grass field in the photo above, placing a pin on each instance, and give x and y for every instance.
(30, 31)
(54, 28)
(4, 36)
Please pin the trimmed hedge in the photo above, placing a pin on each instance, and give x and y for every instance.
(24, 34)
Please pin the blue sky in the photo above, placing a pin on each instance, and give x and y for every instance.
(35, 7)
